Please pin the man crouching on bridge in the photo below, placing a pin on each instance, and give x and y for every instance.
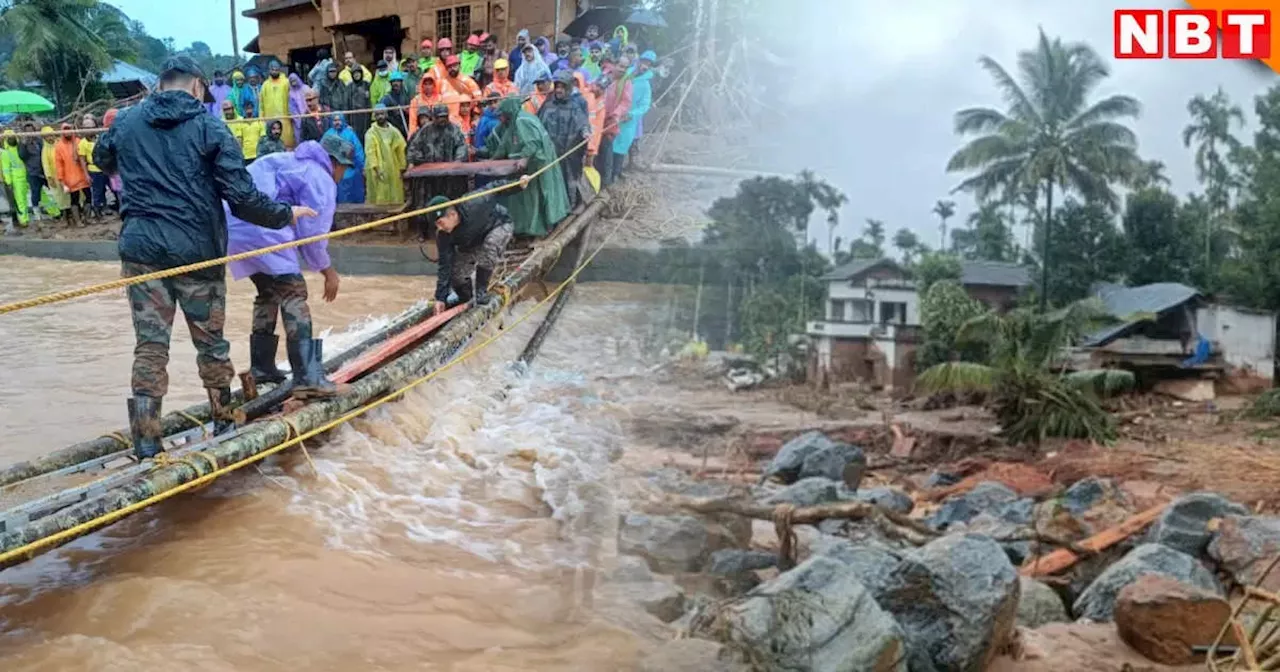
(306, 177)
(178, 163)
(470, 236)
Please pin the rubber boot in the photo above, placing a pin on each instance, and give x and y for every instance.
(262, 356)
(309, 381)
(144, 424)
(220, 410)
(464, 294)
(482, 285)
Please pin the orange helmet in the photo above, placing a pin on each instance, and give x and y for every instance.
(426, 44)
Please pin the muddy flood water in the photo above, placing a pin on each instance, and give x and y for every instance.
(449, 531)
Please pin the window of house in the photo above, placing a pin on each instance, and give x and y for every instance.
(892, 312)
(453, 23)
(837, 311)
(860, 310)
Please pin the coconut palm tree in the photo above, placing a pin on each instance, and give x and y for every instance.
(1150, 174)
(1049, 134)
(1210, 130)
(65, 44)
(944, 210)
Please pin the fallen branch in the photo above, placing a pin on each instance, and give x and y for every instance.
(1064, 558)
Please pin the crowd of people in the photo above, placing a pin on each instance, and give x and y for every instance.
(203, 168)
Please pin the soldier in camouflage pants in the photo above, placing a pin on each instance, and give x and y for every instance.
(285, 295)
(154, 304)
(488, 255)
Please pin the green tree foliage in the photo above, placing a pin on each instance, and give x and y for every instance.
(1049, 136)
(1090, 250)
(988, 237)
(1161, 242)
(874, 236)
(944, 210)
(935, 266)
(908, 245)
(944, 309)
(1030, 399)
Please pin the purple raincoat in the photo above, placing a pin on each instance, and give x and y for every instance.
(297, 101)
(301, 177)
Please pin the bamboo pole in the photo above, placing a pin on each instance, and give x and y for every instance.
(180, 421)
(262, 436)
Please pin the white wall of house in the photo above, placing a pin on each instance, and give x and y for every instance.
(1247, 338)
(848, 303)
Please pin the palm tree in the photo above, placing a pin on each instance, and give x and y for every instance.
(1150, 174)
(65, 44)
(1050, 136)
(944, 210)
(1210, 128)
(908, 244)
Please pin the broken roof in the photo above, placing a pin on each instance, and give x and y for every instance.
(990, 273)
(1137, 305)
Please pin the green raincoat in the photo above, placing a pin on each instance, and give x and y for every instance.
(539, 208)
(380, 87)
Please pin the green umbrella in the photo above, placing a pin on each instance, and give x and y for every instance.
(23, 101)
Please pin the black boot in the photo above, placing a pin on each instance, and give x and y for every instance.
(262, 355)
(306, 360)
(463, 290)
(482, 285)
(144, 424)
(220, 410)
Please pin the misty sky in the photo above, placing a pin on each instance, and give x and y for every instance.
(880, 84)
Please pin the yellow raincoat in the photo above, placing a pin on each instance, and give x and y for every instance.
(275, 103)
(48, 159)
(384, 164)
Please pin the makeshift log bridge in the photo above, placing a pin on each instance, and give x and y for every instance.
(374, 372)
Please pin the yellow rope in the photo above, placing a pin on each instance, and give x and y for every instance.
(29, 550)
(195, 422)
(118, 436)
(293, 431)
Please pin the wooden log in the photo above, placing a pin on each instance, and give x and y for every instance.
(393, 346)
(499, 168)
(1064, 558)
(535, 342)
(54, 530)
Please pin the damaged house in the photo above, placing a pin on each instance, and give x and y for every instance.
(1180, 342)
(872, 324)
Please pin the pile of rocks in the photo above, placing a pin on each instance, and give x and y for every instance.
(860, 600)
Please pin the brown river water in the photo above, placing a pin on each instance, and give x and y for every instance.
(449, 531)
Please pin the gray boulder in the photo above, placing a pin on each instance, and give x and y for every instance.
(630, 569)
(1184, 525)
(670, 544)
(839, 462)
(662, 599)
(1097, 602)
(678, 482)
(871, 563)
(1039, 605)
(889, 499)
(788, 464)
(956, 599)
(1000, 530)
(986, 497)
(815, 618)
(808, 492)
(1086, 493)
(733, 561)
(1243, 546)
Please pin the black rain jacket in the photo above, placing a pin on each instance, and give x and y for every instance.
(178, 164)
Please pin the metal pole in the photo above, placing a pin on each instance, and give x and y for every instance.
(235, 39)
(556, 35)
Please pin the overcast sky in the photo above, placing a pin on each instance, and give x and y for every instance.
(889, 77)
(883, 132)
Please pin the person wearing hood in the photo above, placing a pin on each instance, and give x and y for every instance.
(350, 65)
(471, 237)
(561, 58)
(298, 93)
(501, 84)
(545, 54)
(351, 187)
(397, 100)
(641, 100)
(97, 178)
(516, 57)
(621, 39)
(180, 165)
(532, 68)
(33, 167)
(330, 89)
(384, 151)
(318, 71)
(355, 97)
(565, 120)
(255, 83)
(49, 162)
(220, 91)
(428, 97)
(71, 175)
(275, 99)
(595, 52)
(412, 73)
(439, 141)
(471, 58)
(389, 57)
(485, 127)
(381, 83)
(593, 95)
(16, 187)
(241, 92)
(540, 207)
(617, 103)
(273, 141)
(307, 177)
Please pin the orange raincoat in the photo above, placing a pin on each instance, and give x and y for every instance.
(461, 94)
(422, 100)
(67, 161)
(595, 113)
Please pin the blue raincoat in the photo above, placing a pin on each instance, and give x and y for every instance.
(351, 188)
(641, 101)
